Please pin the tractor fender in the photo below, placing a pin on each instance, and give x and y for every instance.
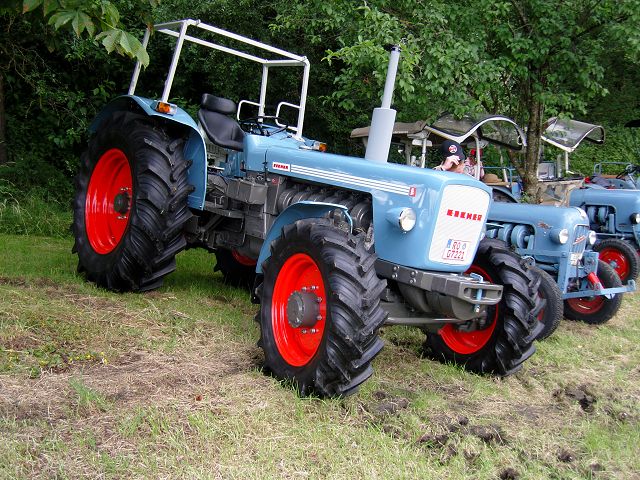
(293, 213)
(194, 148)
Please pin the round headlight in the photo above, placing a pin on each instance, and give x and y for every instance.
(592, 237)
(560, 236)
(635, 218)
(407, 219)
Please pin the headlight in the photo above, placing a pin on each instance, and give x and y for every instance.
(635, 218)
(560, 236)
(407, 219)
(592, 237)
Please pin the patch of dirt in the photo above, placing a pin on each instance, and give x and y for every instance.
(136, 378)
(509, 474)
(491, 434)
(583, 395)
(386, 405)
(566, 456)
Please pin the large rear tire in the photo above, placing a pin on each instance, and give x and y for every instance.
(320, 309)
(598, 308)
(551, 313)
(621, 256)
(512, 325)
(130, 204)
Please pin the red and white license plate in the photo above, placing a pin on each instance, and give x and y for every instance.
(456, 250)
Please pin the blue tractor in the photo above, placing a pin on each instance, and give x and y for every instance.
(336, 246)
(612, 202)
(574, 281)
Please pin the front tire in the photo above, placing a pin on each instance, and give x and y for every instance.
(320, 310)
(621, 256)
(597, 309)
(130, 204)
(551, 313)
(506, 341)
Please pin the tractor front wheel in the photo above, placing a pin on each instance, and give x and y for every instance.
(551, 313)
(621, 256)
(506, 340)
(130, 204)
(598, 308)
(320, 309)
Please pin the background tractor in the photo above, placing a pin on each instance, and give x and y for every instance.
(574, 281)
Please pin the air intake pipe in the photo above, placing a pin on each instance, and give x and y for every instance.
(384, 117)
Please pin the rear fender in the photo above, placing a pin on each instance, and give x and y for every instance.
(293, 213)
(194, 148)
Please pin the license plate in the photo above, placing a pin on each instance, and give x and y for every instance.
(575, 258)
(456, 250)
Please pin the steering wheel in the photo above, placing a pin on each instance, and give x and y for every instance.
(254, 125)
(628, 171)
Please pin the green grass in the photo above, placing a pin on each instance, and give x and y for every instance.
(167, 384)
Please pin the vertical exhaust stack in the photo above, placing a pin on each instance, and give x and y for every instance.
(384, 117)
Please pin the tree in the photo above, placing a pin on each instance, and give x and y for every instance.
(525, 58)
(51, 21)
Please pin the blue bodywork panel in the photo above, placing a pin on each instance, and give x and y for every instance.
(390, 186)
(194, 148)
(621, 203)
(291, 214)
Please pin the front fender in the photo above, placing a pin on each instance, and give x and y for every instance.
(194, 148)
(293, 213)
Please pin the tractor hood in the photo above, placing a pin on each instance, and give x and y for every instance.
(601, 203)
(568, 134)
(543, 218)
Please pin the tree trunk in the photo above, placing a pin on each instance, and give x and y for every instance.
(532, 155)
(4, 156)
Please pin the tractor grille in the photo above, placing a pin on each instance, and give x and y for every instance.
(578, 243)
(579, 240)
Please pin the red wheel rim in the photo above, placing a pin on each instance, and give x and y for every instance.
(466, 343)
(110, 187)
(242, 260)
(297, 345)
(618, 261)
(586, 305)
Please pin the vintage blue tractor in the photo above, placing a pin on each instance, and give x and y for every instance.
(554, 237)
(338, 245)
(612, 206)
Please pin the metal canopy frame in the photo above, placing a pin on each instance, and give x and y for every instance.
(178, 30)
(561, 128)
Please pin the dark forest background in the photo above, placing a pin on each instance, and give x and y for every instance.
(61, 61)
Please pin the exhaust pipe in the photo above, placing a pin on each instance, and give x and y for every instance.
(384, 117)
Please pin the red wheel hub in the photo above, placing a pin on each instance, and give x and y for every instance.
(298, 309)
(586, 305)
(618, 261)
(108, 202)
(466, 343)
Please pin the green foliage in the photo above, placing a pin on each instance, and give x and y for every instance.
(90, 18)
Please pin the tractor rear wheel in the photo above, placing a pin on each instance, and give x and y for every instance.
(237, 270)
(551, 313)
(130, 204)
(506, 340)
(320, 309)
(622, 257)
(598, 308)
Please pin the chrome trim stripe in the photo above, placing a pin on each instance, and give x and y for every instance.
(350, 179)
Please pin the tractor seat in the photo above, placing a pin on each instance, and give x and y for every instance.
(221, 129)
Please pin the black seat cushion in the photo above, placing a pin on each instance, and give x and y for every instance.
(221, 129)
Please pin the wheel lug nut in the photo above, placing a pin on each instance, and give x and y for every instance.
(304, 330)
(318, 318)
(319, 299)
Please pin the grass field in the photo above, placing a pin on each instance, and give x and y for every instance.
(168, 384)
